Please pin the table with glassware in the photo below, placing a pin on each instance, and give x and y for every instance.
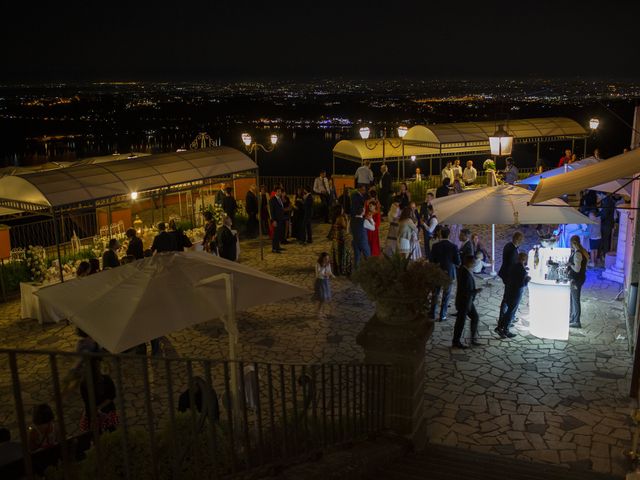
(549, 292)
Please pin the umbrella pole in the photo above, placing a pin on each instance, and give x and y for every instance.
(493, 249)
(231, 327)
(232, 330)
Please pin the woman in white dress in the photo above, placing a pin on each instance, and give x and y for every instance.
(407, 234)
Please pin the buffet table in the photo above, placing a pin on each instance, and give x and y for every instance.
(549, 293)
(30, 306)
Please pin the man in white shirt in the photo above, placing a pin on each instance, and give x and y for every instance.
(469, 174)
(457, 169)
(321, 188)
(447, 172)
(364, 175)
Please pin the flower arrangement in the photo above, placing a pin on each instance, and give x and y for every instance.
(489, 164)
(35, 259)
(398, 285)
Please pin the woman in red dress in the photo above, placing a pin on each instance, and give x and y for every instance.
(372, 211)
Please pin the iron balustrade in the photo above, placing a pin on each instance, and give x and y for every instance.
(279, 413)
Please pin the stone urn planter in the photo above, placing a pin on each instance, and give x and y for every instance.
(397, 333)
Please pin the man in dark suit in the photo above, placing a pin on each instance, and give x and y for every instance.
(229, 204)
(307, 215)
(447, 256)
(443, 190)
(251, 205)
(465, 295)
(163, 242)
(358, 234)
(277, 217)
(517, 280)
(385, 189)
(509, 259)
(135, 248)
(227, 246)
(110, 256)
(467, 245)
(607, 222)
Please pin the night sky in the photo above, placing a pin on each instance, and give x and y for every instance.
(354, 39)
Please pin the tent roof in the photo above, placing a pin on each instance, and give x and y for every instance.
(466, 138)
(624, 166)
(358, 150)
(90, 182)
(524, 130)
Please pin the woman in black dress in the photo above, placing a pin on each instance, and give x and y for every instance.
(404, 196)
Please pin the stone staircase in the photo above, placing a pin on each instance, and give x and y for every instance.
(438, 462)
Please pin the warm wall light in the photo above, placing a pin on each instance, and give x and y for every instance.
(134, 195)
(413, 158)
(501, 143)
(364, 133)
(274, 139)
(246, 139)
(594, 123)
(402, 131)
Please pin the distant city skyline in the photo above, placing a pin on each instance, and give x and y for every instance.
(227, 40)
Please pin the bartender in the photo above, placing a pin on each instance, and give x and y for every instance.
(577, 274)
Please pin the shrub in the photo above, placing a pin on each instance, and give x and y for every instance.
(401, 279)
(12, 274)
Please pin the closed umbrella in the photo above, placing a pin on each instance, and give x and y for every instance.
(503, 205)
(621, 186)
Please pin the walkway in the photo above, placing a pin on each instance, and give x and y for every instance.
(557, 402)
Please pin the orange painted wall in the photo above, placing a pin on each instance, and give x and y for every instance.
(241, 187)
(5, 243)
(123, 214)
(341, 181)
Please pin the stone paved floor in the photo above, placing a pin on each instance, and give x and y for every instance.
(553, 401)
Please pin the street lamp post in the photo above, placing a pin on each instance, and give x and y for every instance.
(365, 132)
(501, 144)
(253, 147)
(594, 124)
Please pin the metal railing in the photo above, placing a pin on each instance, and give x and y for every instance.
(289, 183)
(42, 232)
(278, 413)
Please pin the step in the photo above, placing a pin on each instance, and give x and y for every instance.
(439, 462)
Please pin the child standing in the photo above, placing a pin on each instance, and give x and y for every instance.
(42, 431)
(322, 289)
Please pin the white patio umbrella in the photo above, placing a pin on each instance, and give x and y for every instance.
(503, 205)
(132, 304)
(621, 186)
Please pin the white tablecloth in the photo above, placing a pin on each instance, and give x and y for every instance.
(30, 306)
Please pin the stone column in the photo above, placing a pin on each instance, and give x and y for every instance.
(616, 271)
(403, 347)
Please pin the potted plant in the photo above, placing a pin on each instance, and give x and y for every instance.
(401, 288)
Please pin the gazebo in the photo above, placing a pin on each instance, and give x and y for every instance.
(63, 193)
(457, 140)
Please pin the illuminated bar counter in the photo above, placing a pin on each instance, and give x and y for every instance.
(549, 292)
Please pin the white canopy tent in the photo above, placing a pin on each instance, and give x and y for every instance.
(626, 165)
(88, 183)
(620, 186)
(132, 304)
(503, 205)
